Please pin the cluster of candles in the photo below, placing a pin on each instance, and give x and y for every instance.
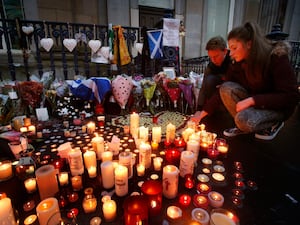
(180, 153)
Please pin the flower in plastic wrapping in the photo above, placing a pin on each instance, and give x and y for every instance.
(196, 80)
(121, 89)
(149, 87)
(186, 87)
(30, 93)
(173, 90)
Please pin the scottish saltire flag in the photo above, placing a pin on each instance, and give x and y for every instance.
(90, 89)
(155, 43)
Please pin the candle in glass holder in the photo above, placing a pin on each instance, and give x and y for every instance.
(46, 209)
(6, 171)
(170, 181)
(203, 188)
(121, 180)
(109, 209)
(135, 211)
(185, 200)
(201, 201)
(172, 156)
(200, 215)
(76, 182)
(189, 181)
(89, 202)
(30, 185)
(174, 212)
(30, 220)
(152, 189)
(63, 178)
(212, 152)
(216, 199)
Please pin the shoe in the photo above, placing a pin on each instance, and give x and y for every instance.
(270, 133)
(232, 132)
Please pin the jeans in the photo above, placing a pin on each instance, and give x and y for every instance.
(208, 88)
(251, 119)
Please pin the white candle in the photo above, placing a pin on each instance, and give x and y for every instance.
(216, 199)
(125, 159)
(140, 168)
(143, 133)
(200, 215)
(46, 210)
(156, 134)
(107, 156)
(170, 132)
(23, 129)
(46, 181)
(32, 129)
(186, 133)
(91, 127)
(98, 146)
(108, 176)
(109, 209)
(186, 165)
(145, 154)
(75, 162)
(5, 170)
(170, 181)
(29, 220)
(90, 161)
(63, 178)
(157, 161)
(218, 218)
(92, 171)
(7, 213)
(30, 185)
(121, 180)
(174, 212)
(193, 146)
(134, 124)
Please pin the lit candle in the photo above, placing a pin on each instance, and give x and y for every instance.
(170, 132)
(186, 133)
(125, 159)
(154, 145)
(193, 146)
(29, 220)
(170, 181)
(107, 156)
(108, 176)
(185, 200)
(157, 161)
(76, 182)
(221, 145)
(216, 199)
(5, 170)
(140, 168)
(134, 124)
(156, 134)
(152, 189)
(32, 129)
(218, 177)
(91, 127)
(200, 215)
(92, 171)
(174, 212)
(6, 212)
(23, 129)
(109, 209)
(143, 133)
(46, 209)
(121, 180)
(30, 185)
(186, 165)
(89, 202)
(46, 181)
(221, 216)
(63, 178)
(98, 145)
(145, 154)
(203, 188)
(200, 201)
(75, 161)
(90, 162)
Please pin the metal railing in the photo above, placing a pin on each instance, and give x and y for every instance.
(22, 52)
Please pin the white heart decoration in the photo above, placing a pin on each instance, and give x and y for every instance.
(94, 45)
(70, 44)
(46, 43)
(139, 47)
(27, 29)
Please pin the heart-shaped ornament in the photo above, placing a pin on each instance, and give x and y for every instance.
(46, 43)
(27, 29)
(70, 44)
(94, 45)
(139, 47)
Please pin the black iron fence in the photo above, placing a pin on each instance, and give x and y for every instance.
(22, 52)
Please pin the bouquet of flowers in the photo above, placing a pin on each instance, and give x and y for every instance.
(149, 87)
(173, 90)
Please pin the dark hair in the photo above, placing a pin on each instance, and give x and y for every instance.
(216, 43)
(259, 54)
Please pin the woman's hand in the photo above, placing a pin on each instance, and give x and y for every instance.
(198, 116)
(244, 104)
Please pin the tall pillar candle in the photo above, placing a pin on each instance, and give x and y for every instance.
(193, 146)
(46, 181)
(125, 159)
(98, 146)
(145, 155)
(143, 133)
(7, 215)
(170, 181)
(75, 162)
(186, 165)
(108, 175)
(46, 209)
(156, 134)
(90, 162)
(121, 180)
(134, 124)
(170, 132)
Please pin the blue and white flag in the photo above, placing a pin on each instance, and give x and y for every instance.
(155, 43)
(90, 89)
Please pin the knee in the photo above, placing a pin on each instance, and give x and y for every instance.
(243, 122)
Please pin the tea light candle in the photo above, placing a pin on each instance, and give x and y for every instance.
(30, 220)
(218, 177)
(203, 178)
(203, 188)
(222, 216)
(185, 200)
(200, 215)
(46, 209)
(216, 199)
(23, 129)
(109, 209)
(63, 178)
(30, 185)
(240, 184)
(156, 134)
(170, 132)
(76, 182)
(29, 205)
(212, 153)
(200, 201)
(5, 170)
(95, 220)
(174, 212)
(140, 168)
(121, 180)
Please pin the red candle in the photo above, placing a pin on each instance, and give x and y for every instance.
(212, 153)
(240, 184)
(251, 185)
(73, 197)
(238, 193)
(185, 200)
(238, 175)
(189, 181)
(173, 156)
(72, 213)
(167, 143)
(179, 142)
(135, 211)
(238, 166)
(203, 188)
(238, 202)
(200, 201)
(152, 189)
